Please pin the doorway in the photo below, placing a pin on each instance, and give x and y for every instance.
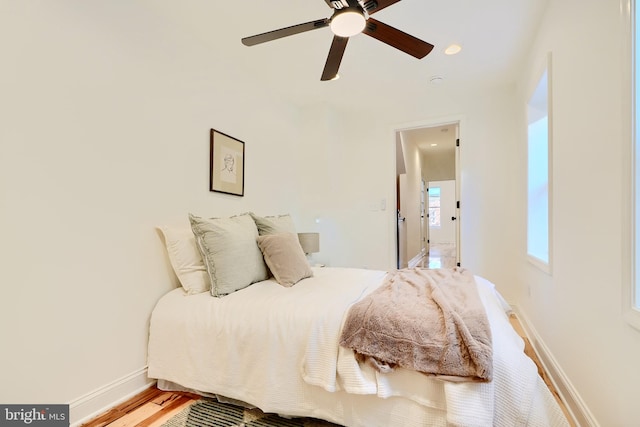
(427, 191)
(442, 225)
(442, 202)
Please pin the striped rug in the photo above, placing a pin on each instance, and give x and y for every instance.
(211, 413)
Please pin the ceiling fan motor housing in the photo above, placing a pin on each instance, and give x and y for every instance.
(348, 21)
(368, 5)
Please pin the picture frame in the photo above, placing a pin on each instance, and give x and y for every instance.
(226, 164)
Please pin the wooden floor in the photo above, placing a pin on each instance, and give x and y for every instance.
(154, 407)
(150, 408)
(529, 351)
(440, 255)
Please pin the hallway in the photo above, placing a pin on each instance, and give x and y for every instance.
(441, 255)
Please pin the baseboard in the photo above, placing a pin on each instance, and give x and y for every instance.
(416, 259)
(569, 395)
(106, 397)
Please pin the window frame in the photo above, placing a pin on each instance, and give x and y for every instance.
(439, 208)
(631, 164)
(545, 266)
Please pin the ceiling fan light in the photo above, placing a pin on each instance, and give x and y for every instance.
(348, 23)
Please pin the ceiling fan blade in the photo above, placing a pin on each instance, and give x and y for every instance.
(284, 32)
(398, 39)
(334, 59)
(381, 5)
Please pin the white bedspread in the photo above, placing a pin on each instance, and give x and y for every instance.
(276, 348)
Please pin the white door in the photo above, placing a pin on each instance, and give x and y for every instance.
(401, 238)
(442, 211)
(402, 242)
(424, 229)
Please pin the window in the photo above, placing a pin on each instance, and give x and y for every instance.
(538, 175)
(434, 206)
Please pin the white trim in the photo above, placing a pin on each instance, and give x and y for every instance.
(576, 407)
(629, 167)
(106, 397)
(416, 259)
(539, 264)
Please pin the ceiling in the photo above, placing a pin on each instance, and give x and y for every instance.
(435, 139)
(494, 35)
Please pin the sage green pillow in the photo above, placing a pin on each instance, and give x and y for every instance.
(274, 224)
(230, 252)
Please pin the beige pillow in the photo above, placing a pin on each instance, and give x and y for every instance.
(274, 224)
(285, 258)
(185, 259)
(230, 252)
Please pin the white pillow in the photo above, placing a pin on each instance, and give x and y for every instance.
(230, 251)
(185, 259)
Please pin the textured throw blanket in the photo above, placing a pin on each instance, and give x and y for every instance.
(431, 321)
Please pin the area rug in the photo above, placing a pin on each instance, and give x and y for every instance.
(211, 413)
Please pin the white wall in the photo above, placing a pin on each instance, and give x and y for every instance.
(577, 310)
(439, 166)
(104, 135)
(363, 171)
(348, 187)
(351, 167)
(106, 111)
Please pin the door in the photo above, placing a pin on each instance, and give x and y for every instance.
(442, 212)
(424, 226)
(401, 230)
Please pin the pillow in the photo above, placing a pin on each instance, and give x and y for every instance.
(230, 252)
(285, 258)
(185, 259)
(274, 224)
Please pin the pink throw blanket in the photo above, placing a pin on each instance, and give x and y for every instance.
(431, 321)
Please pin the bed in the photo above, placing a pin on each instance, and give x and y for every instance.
(277, 348)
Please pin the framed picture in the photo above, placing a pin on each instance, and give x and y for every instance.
(226, 167)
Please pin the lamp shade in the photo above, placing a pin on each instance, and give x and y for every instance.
(310, 242)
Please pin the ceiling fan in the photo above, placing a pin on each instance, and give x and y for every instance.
(350, 17)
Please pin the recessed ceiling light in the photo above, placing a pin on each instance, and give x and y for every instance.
(434, 145)
(452, 49)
